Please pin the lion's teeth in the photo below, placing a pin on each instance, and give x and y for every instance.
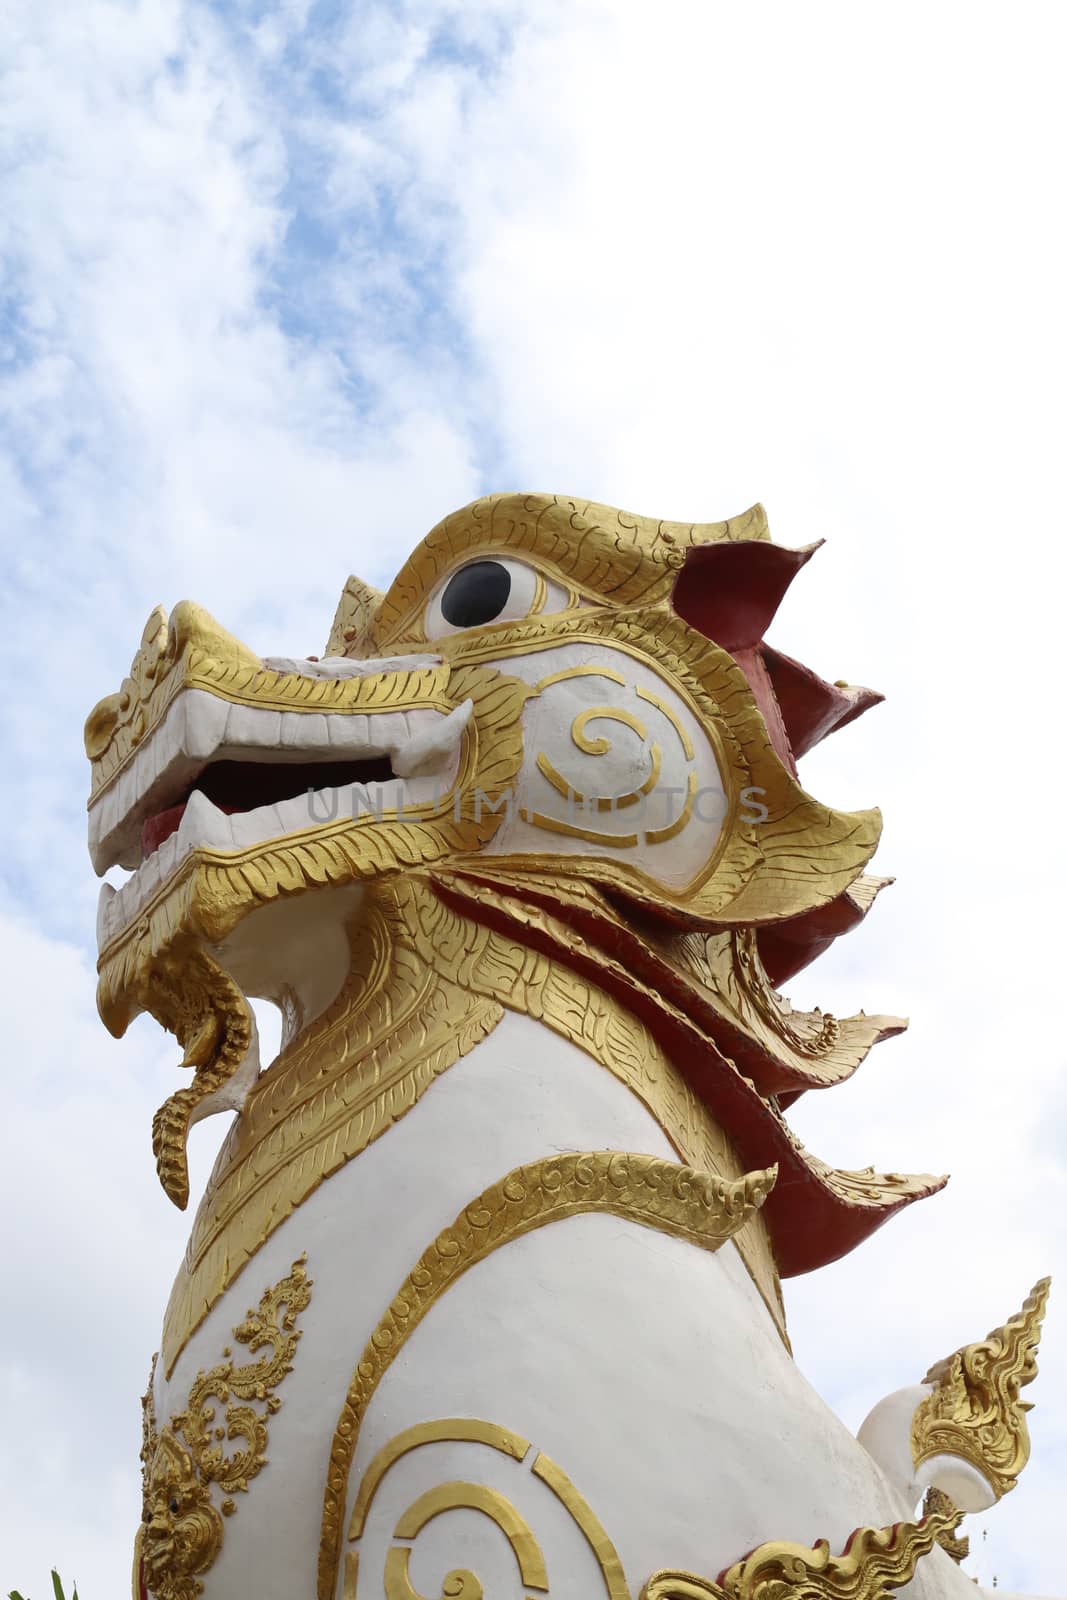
(430, 749)
(203, 826)
(107, 894)
(343, 667)
(205, 727)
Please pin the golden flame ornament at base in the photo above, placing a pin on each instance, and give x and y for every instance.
(182, 1530)
(975, 1411)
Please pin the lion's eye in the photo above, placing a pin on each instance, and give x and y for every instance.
(492, 589)
(476, 594)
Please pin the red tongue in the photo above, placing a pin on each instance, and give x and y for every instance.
(155, 829)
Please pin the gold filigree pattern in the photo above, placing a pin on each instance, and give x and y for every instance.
(182, 1528)
(657, 1194)
(401, 1020)
(873, 1563)
(975, 1411)
(427, 985)
(358, 606)
(193, 651)
(958, 1546)
(865, 1194)
(211, 892)
(800, 856)
(597, 550)
(194, 999)
(719, 980)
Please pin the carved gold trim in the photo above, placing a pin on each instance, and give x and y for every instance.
(182, 1529)
(658, 1194)
(453, 1430)
(671, 829)
(874, 1562)
(959, 1548)
(540, 595)
(573, 830)
(613, 803)
(193, 651)
(470, 1497)
(472, 1430)
(672, 717)
(400, 1021)
(200, 1004)
(975, 1411)
(358, 606)
(607, 1557)
(593, 549)
(212, 891)
(803, 855)
(427, 984)
(719, 979)
(596, 744)
(587, 670)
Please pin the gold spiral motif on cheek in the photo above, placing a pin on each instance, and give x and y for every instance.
(597, 745)
(613, 802)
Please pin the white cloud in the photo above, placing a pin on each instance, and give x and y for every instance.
(282, 290)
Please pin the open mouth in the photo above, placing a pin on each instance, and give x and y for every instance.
(226, 778)
(234, 787)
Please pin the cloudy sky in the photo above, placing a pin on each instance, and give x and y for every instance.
(284, 283)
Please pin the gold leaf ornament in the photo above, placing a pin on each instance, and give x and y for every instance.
(874, 1563)
(182, 1527)
(975, 1411)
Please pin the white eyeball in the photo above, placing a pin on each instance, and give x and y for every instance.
(491, 589)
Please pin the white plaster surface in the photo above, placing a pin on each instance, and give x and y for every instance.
(886, 1434)
(199, 727)
(649, 1370)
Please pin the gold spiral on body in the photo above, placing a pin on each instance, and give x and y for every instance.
(460, 1583)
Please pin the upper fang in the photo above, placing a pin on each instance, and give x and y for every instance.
(432, 747)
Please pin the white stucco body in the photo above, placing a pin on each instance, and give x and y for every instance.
(647, 1369)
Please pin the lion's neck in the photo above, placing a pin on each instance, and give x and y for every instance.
(296, 953)
(424, 986)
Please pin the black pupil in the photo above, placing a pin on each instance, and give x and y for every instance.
(476, 594)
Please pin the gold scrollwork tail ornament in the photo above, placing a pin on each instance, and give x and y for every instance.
(182, 1528)
(874, 1562)
(192, 997)
(975, 1411)
(958, 1546)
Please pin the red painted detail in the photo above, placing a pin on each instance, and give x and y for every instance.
(771, 1074)
(750, 658)
(787, 947)
(809, 1222)
(731, 591)
(155, 829)
(810, 707)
